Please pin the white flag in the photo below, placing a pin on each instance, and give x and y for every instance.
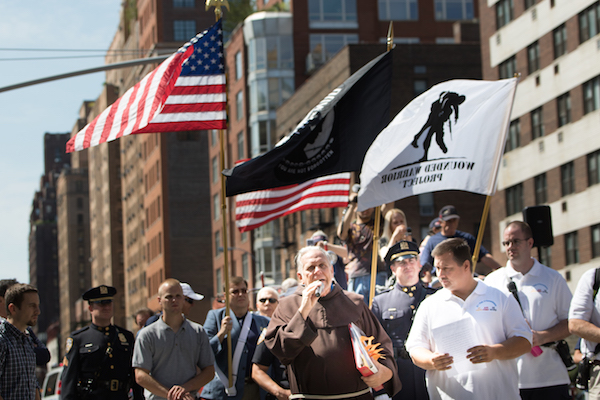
(449, 138)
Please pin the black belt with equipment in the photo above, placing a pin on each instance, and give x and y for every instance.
(400, 352)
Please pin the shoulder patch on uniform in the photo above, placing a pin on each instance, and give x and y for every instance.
(69, 345)
(262, 336)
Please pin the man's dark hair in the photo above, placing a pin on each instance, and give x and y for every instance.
(524, 227)
(236, 280)
(458, 247)
(16, 293)
(5, 284)
(144, 310)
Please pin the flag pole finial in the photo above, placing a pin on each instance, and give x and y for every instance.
(390, 36)
(218, 4)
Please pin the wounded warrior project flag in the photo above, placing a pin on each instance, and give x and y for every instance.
(332, 138)
(449, 138)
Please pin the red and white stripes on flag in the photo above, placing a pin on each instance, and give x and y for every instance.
(254, 209)
(185, 92)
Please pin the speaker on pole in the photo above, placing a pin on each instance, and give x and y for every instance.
(539, 219)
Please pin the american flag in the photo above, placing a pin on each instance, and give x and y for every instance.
(254, 209)
(185, 92)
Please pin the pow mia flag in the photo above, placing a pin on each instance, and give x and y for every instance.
(468, 120)
(332, 138)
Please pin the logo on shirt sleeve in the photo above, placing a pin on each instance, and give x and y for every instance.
(486, 305)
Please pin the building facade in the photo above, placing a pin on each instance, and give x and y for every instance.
(553, 149)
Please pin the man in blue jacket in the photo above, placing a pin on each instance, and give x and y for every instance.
(244, 328)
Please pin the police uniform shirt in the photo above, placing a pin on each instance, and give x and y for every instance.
(99, 359)
(395, 309)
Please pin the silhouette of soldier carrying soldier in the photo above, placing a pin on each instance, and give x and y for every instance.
(441, 110)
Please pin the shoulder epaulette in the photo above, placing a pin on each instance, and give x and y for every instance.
(77, 332)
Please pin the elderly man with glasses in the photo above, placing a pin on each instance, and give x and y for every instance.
(244, 328)
(395, 310)
(266, 301)
(544, 298)
(98, 357)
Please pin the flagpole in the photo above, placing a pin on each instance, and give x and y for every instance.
(218, 4)
(486, 210)
(375, 254)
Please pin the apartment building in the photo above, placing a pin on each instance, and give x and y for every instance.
(553, 147)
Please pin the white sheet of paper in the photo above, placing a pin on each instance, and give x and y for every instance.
(455, 339)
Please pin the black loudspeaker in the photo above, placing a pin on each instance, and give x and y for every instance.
(539, 219)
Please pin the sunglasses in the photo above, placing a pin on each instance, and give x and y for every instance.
(272, 301)
(102, 302)
(238, 291)
(191, 301)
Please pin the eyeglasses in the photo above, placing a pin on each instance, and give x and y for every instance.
(102, 302)
(514, 242)
(191, 301)
(406, 262)
(272, 301)
(236, 292)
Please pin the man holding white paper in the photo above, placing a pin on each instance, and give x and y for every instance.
(498, 333)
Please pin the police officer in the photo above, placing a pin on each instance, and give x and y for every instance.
(395, 309)
(98, 357)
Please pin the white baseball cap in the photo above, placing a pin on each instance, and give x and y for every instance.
(189, 292)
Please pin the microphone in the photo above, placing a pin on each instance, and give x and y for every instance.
(319, 290)
(512, 287)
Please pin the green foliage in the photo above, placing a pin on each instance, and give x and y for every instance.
(238, 11)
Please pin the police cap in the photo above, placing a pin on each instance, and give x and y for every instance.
(100, 293)
(401, 250)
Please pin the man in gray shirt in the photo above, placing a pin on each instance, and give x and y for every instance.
(172, 357)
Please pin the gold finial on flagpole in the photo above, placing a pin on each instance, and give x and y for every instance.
(390, 36)
(217, 4)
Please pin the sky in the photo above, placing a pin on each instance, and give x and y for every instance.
(26, 114)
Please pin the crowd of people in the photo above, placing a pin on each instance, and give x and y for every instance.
(435, 329)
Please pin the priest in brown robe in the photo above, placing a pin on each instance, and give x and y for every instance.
(309, 333)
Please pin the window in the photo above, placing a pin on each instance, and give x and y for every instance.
(215, 169)
(514, 132)
(214, 139)
(537, 123)
(571, 248)
(567, 178)
(219, 280)
(514, 199)
(533, 57)
(239, 105)
(218, 247)
(238, 66)
(216, 206)
(593, 168)
(563, 104)
(419, 86)
(324, 46)
(528, 3)
(545, 256)
(541, 189)
(240, 146)
(508, 68)
(183, 3)
(589, 22)
(398, 10)
(245, 266)
(184, 30)
(591, 95)
(331, 11)
(453, 10)
(595, 241)
(560, 40)
(504, 13)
